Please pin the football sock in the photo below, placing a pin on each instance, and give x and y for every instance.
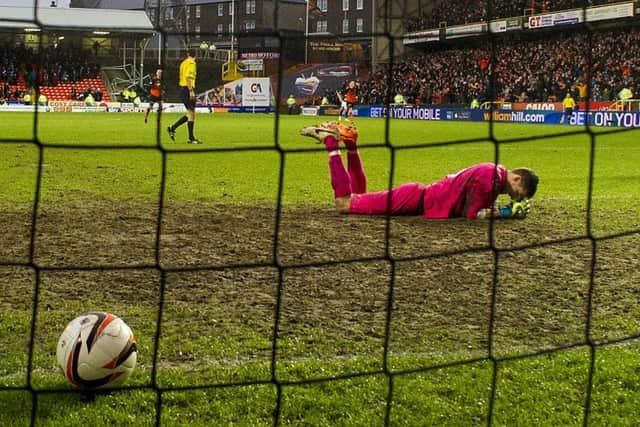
(190, 126)
(356, 172)
(331, 143)
(340, 180)
(351, 144)
(339, 177)
(180, 122)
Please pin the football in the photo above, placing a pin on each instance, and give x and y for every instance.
(96, 350)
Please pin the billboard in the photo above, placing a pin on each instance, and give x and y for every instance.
(592, 14)
(547, 117)
(256, 92)
(248, 91)
(317, 80)
(574, 16)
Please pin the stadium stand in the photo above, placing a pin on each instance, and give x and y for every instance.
(54, 71)
(457, 75)
(467, 11)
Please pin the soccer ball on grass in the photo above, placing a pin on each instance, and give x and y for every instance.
(96, 350)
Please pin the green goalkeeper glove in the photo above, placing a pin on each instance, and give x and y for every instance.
(516, 209)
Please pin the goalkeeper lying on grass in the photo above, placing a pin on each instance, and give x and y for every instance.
(469, 193)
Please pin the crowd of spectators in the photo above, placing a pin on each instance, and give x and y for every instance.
(48, 66)
(525, 71)
(468, 11)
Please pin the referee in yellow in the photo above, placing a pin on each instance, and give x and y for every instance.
(569, 104)
(188, 71)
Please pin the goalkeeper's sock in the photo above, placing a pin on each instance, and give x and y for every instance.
(331, 143)
(339, 177)
(179, 123)
(350, 144)
(340, 180)
(356, 172)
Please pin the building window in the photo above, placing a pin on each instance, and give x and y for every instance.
(250, 8)
(321, 26)
(198, 12)
(220, 9)
(359, 25)
(250, 25)
(345, 26)
(359, 4)
(197, 29)
(168, 14)
(220, 29)
(230, 28)
(322, 5)
(345, 5)
(231, 9)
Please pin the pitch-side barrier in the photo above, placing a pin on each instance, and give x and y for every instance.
(405, 112)
(625, 119)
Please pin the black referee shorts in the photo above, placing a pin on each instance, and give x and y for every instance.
(189, 103)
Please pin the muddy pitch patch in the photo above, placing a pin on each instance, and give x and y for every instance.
(336, 275)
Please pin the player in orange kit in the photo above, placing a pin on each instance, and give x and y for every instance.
(155, 93)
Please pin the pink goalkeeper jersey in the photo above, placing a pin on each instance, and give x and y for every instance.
(466, 192)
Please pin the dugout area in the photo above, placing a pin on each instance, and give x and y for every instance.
(82, 28)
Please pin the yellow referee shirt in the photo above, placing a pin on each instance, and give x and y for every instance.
(188, 73)
(569, 103)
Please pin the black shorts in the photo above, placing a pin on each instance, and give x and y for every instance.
(189, 103)
(350, 106)
(153, 100)
(568, 111)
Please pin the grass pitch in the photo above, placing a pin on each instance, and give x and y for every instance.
(231, 268)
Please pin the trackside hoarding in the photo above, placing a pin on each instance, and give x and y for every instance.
(547, 117)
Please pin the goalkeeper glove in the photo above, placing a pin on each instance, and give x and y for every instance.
(518, 210)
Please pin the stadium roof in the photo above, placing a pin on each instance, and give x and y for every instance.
(140, 4)
(110, 4)
(129, 21)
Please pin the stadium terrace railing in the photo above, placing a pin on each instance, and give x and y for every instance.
(547, 20)
(626, 105)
